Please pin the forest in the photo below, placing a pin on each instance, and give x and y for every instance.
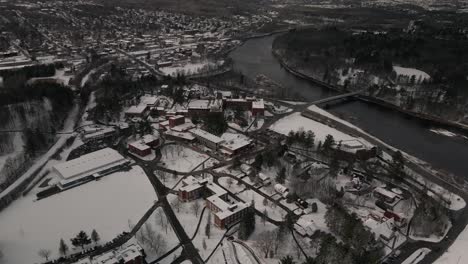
(439, 50)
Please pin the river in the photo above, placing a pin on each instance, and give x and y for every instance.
(408, 134)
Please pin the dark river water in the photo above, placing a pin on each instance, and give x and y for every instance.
(408, 134)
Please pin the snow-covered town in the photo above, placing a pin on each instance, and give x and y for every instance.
(132, 134)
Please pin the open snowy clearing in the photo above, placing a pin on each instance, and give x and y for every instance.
(189, 68)
(180, 158)
(410, 72)
(297, 122)
(27, 226)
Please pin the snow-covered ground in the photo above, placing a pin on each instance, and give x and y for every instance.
(68, 126)
(86, 77)
(180, 158)
(457, 253)
(432, 238)
(417, 256)
(189, 68)
(443, 132)
(418, 74)
(105, 205)
(189, 221)
(296, 122)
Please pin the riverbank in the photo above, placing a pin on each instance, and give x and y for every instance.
(376, 101)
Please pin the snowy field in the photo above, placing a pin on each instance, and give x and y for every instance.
(189, 68)
(179, 158)
(401, 71)
(106, 205)
(298, 122)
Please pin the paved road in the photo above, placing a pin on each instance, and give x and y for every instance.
(189, 249)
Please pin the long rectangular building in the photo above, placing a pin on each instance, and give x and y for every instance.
(88, 166)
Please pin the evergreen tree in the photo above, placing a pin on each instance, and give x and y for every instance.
(328, 143)
(208, 226)
(81, 240)
(258, 161)
(95, 236)
(281, 176)
(63, 247)
(287, 260)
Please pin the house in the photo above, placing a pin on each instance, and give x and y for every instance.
(89, 167)
(206, 138)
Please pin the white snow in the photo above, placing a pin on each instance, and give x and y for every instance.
(410, 72)
(417, 256)
(68, 126)
(297, 122)
(105, 205)
(179, 158)
(189, 68)
(432, 238)
(443, 132)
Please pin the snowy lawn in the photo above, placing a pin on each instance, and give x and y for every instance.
(105, 205)
(317, 219)
(158, 224)
(180, 158)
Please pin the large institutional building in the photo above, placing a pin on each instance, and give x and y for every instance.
(89, 167)
(225, 209)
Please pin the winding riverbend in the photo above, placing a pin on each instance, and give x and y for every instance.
(408, 134)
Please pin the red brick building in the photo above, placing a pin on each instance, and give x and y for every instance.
(139, 148)
(176, 120)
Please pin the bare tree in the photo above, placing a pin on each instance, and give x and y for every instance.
(196, 208)
(44, 253)
(229, 182)
(265, 243)
(160, 219)
(154, 240)
(176, 204)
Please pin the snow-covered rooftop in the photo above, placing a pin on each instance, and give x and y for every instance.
(235, 141)
(206, 135)
(136, 109)
(89, 163)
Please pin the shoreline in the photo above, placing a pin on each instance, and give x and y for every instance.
(376, 101)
